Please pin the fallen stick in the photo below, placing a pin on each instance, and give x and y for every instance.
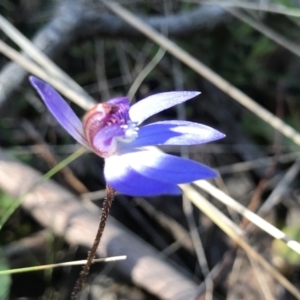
(53, 206)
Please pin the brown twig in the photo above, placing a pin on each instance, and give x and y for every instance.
(110, 192)
(270, 171)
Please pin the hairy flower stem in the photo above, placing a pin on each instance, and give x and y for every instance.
(110, 192)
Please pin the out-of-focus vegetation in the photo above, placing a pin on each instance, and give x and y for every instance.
(106, 64)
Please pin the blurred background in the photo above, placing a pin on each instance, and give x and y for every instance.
(253, 45)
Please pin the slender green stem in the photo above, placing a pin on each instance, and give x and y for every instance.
(43, 179)
(110, 193)
(58, 265)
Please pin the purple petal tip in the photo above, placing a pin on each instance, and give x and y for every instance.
(62, 112)
(35, 81)
(156, 103)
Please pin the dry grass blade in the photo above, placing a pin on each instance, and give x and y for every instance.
(206, 72)
(230, 228)
(33, 68)
(257, 163)
(142, 75)
(56, 208)
(234, 93)
(60, 265)
(281, 187)
(254, 218)
(267, 6)
(261, 280)
(51, 159)
(235, 233)
(169, 224)
(39, 57)
(270, 33)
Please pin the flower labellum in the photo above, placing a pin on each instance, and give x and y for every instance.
(112, 131)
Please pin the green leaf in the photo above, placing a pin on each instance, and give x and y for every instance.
(281, 249)
(5, 281)
(262, 47)
(5, 202)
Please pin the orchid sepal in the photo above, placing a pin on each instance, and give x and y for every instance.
(112, 131)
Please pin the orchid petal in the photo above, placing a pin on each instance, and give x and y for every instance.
(105, 140)
(174, 133)
(167, 168)
(60, 110)
(120, 101)
(124, 179)
(151, 105)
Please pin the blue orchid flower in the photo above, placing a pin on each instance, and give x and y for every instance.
(111, 129)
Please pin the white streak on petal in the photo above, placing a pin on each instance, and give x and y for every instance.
(151, 105)
(124, 179)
